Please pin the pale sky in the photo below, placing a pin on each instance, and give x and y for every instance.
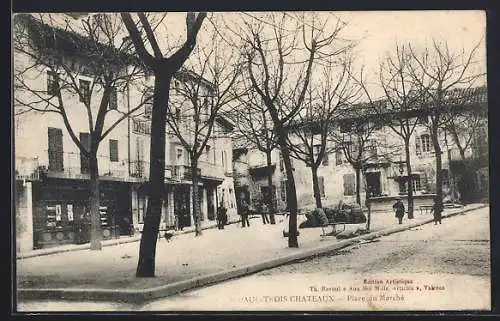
(376, 32)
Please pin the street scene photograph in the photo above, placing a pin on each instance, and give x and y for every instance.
(333, 161)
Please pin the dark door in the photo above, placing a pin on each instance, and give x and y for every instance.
(373, 183)
(55, 150)
(210, 204)
(265, 194)
(84, 160)
(181, 205)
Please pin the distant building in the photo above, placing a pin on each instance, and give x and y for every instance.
(386, 177)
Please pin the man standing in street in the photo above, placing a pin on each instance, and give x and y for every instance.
(221, 216)
(265, 219)
(244, 213)
(399, 207)
(437, 210)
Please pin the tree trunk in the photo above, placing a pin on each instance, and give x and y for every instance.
(272, 193)
(316, 192)
(291, 193)
(147, 248)
(195, 197)
(410, 178)
(95, 217)
(439, 166)
(358, 185)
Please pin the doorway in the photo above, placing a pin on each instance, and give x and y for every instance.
(181, 205)
(373, 183)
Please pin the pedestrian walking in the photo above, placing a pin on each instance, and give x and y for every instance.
(244, 214)
(221, 216)
(265, 218)
(436, 210)
(399, 208)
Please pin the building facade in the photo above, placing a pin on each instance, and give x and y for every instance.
(52, 175)
(386, 174)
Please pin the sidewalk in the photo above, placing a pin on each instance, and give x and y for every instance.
(185, 262)
(121, 240)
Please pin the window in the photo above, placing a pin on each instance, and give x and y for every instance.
(321, 184)
(426, 143)
(338, 157)
(113, 99)
(416, 182)
(52, 85)
(282, 164)
(113, 150)
(85, 91)
(349, 184)
(56, 155)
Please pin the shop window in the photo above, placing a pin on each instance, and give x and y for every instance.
(349, 184)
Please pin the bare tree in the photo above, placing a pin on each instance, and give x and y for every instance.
(199, 99)
(309, 134)
(64, 51)
(439, 72)
(256, 130)
(465, 123)
(361, 139)
(279, 67)
(163, 69)
(400, 104)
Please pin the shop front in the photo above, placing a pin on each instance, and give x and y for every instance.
(61, 211)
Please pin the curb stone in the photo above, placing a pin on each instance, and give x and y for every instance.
(144, 295)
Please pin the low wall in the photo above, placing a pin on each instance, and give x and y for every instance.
(385, 203)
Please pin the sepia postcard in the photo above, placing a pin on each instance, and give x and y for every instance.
(332, 161)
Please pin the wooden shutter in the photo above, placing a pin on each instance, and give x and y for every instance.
(418, 144)
(56, 153)
(113, 150)
(349, 184)
(84, 160)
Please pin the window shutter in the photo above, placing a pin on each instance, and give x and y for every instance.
(113, 150)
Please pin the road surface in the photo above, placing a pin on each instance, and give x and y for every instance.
(431, 267)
